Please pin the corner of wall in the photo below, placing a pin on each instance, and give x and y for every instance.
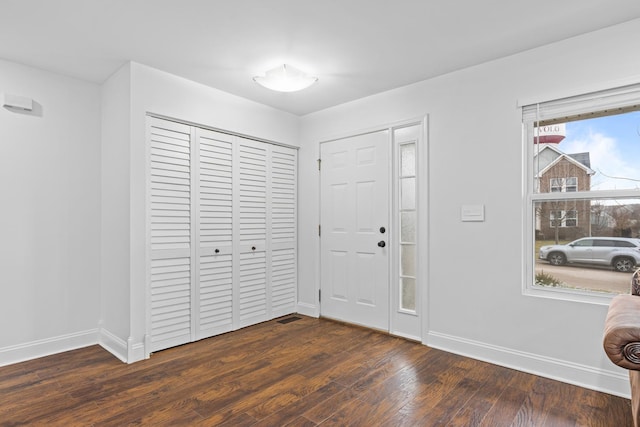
(135, 351)
(113, 344)
(115, 212)
(308, 309)
(127, 351)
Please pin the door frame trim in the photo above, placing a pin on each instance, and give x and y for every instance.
(422, 224)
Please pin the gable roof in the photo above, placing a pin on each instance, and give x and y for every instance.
(570, 159)
(582, 160)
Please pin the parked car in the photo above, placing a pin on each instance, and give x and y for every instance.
(622, 253)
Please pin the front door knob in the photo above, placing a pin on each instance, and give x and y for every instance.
(382, 244)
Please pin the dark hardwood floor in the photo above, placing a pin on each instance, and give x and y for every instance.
(304, 373)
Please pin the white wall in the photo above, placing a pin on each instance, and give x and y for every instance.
(115, 251)
(73, 199)
(160, 93)
(475, 304)
(49, 215)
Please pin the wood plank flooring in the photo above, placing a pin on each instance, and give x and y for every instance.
(308, 372)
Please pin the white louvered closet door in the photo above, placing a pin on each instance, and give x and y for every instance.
(222, 232)
(251, 209)
(283, 238)
(215, 226)
(169, 225)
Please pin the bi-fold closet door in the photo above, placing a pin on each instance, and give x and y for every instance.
(222, 232)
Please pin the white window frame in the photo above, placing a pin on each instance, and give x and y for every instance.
(618, 98)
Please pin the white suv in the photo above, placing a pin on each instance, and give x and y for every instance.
(621, 253)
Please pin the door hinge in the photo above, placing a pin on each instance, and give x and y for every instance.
(319, 295)
(319, 163)
(319, 230)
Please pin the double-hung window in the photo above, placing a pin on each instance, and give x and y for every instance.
(582, 185)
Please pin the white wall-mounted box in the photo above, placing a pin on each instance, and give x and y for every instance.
(16, 102)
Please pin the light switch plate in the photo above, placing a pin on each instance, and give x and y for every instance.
(472, 213)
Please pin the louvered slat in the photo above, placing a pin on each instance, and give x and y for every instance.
(170, 234)
(283, 195)
(283, 280)
(170, 190)
(252, 231)
(215, 185)
(283, 239)
(216, 293)
(170, 302)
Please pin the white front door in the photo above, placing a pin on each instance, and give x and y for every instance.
(355, 228)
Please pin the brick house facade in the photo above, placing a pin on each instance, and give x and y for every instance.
(560, 173)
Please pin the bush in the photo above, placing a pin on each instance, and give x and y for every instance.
(544, 279)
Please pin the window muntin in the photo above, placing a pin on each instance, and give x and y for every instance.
(582, 180)
(408, 230)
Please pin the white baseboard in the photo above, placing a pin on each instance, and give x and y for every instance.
(47, 347)
(127, 351)
(136, 351)
(407, 336)
(113, 344)
(615, 382)
(308, 309)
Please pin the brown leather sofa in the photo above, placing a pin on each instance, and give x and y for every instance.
(622, 339)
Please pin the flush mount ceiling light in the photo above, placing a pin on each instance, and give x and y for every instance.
(285, 78)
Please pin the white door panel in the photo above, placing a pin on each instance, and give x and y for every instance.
(354, 205)
(252, 178)
(170, 209)
(214, 223)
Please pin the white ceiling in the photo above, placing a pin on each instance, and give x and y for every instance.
(355, 47)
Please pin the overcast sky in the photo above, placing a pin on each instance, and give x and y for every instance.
(614, 146)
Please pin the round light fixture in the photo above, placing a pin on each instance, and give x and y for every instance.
(285, 78)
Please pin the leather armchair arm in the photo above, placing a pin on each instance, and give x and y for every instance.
(622, 332)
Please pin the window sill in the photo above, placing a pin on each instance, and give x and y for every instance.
(573, 295)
